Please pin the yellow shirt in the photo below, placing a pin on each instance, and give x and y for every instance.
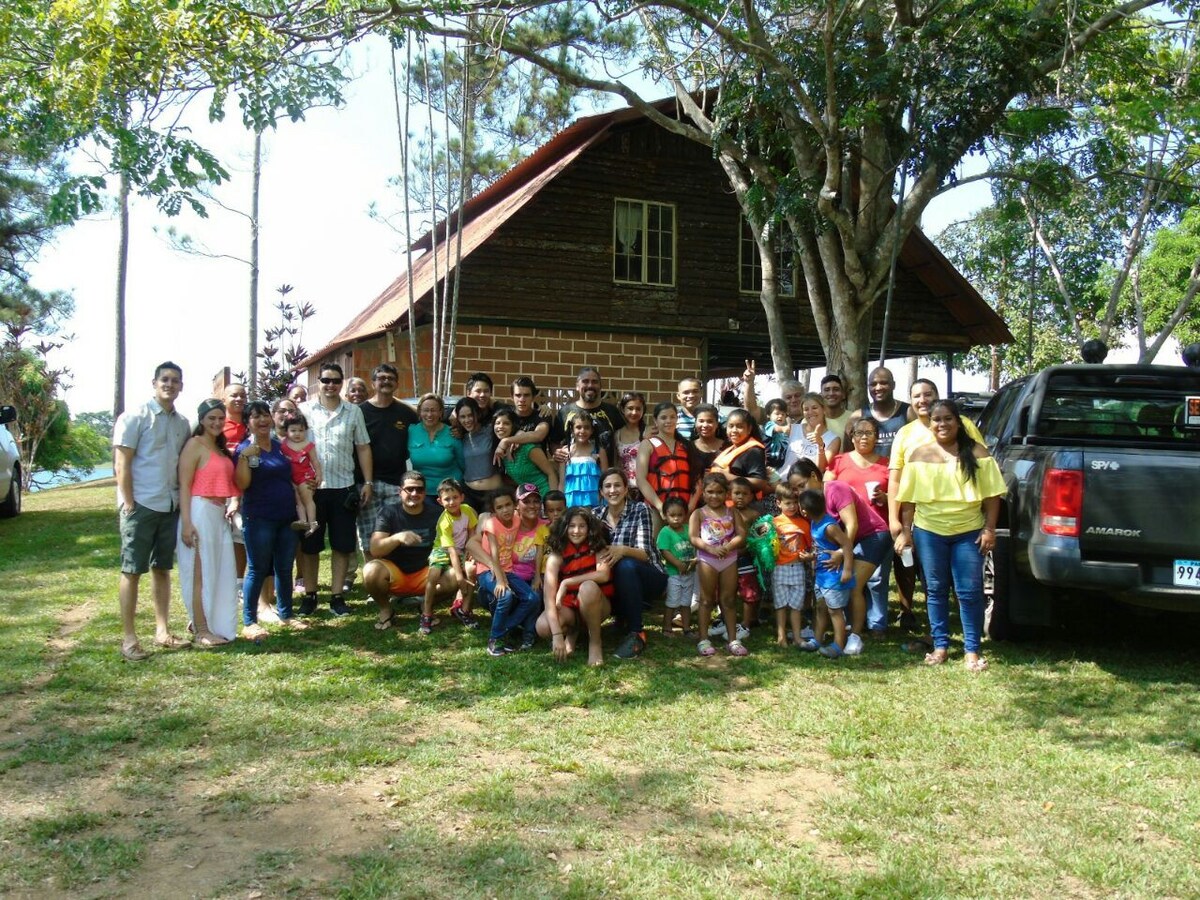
(947, 503)
(914, 435)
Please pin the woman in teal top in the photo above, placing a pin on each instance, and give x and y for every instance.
(529, 463)
(434, 451)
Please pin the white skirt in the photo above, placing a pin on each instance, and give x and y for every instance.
(218, 571)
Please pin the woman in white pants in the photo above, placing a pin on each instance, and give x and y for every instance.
(208, 499)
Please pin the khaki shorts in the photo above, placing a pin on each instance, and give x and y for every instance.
(148, 540)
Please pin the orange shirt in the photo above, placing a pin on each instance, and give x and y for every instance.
(795, 537)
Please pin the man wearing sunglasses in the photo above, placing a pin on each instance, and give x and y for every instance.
(400, 545)
(339, 432)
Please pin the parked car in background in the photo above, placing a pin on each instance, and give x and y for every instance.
(10, 465)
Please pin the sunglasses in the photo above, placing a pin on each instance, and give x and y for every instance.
(330, 380)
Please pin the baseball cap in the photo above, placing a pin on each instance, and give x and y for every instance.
(528, 490)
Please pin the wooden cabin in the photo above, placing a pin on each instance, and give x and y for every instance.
(620, 245)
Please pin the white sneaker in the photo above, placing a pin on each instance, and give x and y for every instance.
(742, 632)
(717, 631)
(807, 634)
(854, 645)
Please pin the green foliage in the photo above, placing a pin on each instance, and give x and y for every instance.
(994, 252)
(1165, 275)
(28, 219)
(109, 72)
(70, 448)
(49, 441)
(1089, 178)
(100, 422)
(282, 350)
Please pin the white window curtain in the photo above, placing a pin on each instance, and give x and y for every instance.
(629, 226)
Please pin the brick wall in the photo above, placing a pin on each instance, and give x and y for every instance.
(552, 357)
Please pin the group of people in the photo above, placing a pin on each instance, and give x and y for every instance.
(556, 522)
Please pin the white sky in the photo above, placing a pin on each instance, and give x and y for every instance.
(319, 178)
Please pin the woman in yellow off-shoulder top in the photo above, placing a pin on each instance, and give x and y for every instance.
(949, 497)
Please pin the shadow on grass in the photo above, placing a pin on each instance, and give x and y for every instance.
(1102, 691)
(86, 538)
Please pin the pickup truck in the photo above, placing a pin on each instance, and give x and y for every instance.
(1102, 466)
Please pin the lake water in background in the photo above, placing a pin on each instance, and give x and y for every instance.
(44, 480)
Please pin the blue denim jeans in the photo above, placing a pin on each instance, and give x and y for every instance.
(957, 557)
(519, 606)
(270, 547)
(877, 594)
(637, 586)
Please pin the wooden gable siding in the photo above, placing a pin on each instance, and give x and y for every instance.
(553, 262)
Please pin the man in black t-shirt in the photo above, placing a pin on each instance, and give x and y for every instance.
(400, 545)
(532, 426)
(608, 418)
(388, 421)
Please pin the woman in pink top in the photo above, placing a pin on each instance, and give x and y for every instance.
(866, 470)
(866, 528)
(208, 499)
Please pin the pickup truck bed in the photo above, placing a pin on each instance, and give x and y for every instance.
(1102, 465)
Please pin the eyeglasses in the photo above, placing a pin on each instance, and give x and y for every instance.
(330, 380)
(413, 490)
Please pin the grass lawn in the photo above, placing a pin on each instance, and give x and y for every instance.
(347, 762)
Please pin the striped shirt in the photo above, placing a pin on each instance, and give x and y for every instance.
(336, 433)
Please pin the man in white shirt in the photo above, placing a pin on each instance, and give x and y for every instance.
(339, 432)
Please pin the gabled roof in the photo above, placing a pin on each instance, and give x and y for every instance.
(484, 213)
(488, 210)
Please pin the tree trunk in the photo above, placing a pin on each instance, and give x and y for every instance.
(122, 277)
(766, 243)
(846, 354)
(256, 185)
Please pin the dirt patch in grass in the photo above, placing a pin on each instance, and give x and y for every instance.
(195, 847)
(302, 842)
(790, 805)
(16, 718)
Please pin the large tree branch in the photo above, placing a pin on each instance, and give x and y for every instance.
(1133, 248)
(1056, 273)
(1079, 41)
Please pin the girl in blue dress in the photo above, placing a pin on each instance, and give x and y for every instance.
(586, 459)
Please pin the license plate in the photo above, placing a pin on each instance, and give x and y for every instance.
(1187, 573)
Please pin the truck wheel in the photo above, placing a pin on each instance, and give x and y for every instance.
(999, 581)
(11, 505)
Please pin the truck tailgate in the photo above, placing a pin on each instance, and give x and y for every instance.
(1141, 505)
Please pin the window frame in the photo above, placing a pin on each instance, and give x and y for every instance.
(645, 256)
(786, 247)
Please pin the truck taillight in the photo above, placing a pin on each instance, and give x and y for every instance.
(1062, 502)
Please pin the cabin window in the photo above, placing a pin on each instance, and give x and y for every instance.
(643, 242)
(750, 266)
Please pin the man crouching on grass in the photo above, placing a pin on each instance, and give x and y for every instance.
(400, 548)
